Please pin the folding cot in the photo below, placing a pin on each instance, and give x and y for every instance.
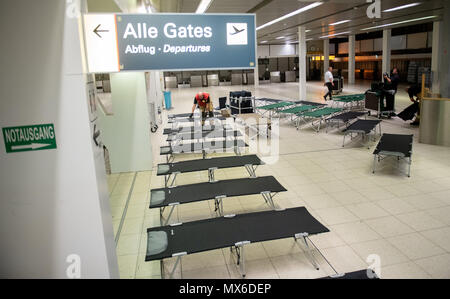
(265, 101)
(309, 103)
(250, 162)
(297, 109)
(171, 197)
(194, 119)
(203, 147)
(234, 231)
(273, 109)
(201, 135)
(362, 127)
(343, 118)
(205, 128)
(349, 101)
(394, 145)
(186, 115)
(318, 115)
(254, 125)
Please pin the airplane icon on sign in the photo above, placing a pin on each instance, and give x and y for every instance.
(236, 31)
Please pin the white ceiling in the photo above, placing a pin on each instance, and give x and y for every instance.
(317, 19)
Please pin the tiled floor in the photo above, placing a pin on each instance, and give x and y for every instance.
(405, 221)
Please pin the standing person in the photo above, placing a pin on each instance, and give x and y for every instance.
(329, 83)
(203, 101)
(390, 89)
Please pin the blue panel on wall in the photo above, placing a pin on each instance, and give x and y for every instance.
(185, 41)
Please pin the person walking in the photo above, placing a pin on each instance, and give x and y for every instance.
(329, 83)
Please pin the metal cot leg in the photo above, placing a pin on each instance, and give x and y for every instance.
(172, 208)
(250, 170)
(267, 195)
(409, 166)
(173, 179)
(177, 262)
(374, 162)
(241, 256)
(211, 177)
(218, 204)
(308, 251)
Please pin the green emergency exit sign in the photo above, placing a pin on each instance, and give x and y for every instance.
(29, 138)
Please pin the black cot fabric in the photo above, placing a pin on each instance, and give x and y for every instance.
(361, 274)
(347, 116)
(207, 134)
(205, 164)
(184, 115)
(409, 112)
(395, 143)
(200, 146)
(363, 125)
(206, 128)
(215, 233)
(205, 191)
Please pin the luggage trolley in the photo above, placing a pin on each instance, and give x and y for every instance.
(241, 102)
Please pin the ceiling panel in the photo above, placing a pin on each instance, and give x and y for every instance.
(317, 19)
(189, 6)
(232, 6)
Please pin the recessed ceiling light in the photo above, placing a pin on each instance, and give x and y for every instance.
(398, 23)
(340, 22)
(203, 6)
(263, 42)
(307, 30)
(335, 34)
(296, 12)
(280, 37)
(402, 7)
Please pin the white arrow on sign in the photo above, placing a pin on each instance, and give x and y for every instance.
(101, 47)
(32, 146)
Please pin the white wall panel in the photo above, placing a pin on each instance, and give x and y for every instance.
(398, 42)
(367, 45)
(263, 51)
(282, 50)
(417, 40)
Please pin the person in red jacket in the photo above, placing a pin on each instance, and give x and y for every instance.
(203, 101)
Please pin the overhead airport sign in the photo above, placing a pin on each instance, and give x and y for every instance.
(133, 42)
(29, 138)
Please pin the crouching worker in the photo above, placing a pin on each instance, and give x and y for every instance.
(203, 101)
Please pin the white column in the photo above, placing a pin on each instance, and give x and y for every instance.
(126, 134)
(256, 70)
(326, 55)
(302, 63)
(435, 55)
(351, 59)
(444, 72)
(54, 209)
(386, 64)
